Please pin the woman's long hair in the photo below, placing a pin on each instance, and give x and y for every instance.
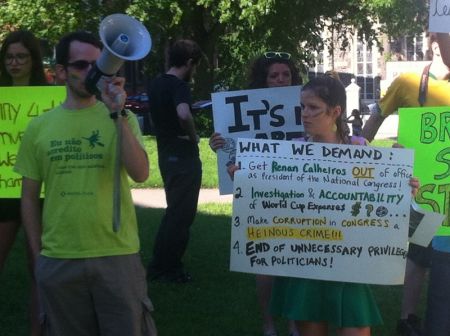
(31, 43)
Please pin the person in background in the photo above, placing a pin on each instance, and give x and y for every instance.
(437, 321)
(88, 269)
(431, 88)
(273, 69)
(315, 304)
(20, 65)
(179, 161)
(356, 121)
(334, 74)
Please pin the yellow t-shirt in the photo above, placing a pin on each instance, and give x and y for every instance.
(404, 92)
(73, 154)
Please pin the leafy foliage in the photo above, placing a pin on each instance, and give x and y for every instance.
(230, 32)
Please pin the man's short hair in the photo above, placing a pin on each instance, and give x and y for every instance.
(181, 51)
(63, 47)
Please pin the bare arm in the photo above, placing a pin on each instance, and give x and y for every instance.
(372, 125)
(31, 214)
(414, 182)
(134, 157)
(187, 121)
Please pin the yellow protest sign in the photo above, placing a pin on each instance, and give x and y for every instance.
(427, 130)
(19, 105)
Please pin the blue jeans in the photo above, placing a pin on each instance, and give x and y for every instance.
(437, 320)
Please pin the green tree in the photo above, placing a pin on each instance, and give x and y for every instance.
(230, 32)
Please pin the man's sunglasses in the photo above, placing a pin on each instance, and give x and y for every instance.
(81, 64)
(277, 54)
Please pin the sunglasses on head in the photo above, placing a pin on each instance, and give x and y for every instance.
(277, 54)
(81, 64)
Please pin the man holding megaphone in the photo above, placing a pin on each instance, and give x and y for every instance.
(88, 270)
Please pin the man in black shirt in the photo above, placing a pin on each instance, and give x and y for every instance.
(179, 161)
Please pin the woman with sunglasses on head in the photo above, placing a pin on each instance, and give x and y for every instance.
(315, 304)
(20, 65)
(273, 69)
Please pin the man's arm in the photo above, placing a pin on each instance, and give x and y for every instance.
(372, 125)
(187, 121)
(134, 157)
(31, 214)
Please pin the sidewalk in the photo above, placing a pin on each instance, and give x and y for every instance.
(156, 198)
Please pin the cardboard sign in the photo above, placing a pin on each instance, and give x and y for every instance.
(18, 105)
(321, 211)
(272, 113)
(439, 16)
(427, 130)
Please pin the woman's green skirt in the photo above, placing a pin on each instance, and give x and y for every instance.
(340, 304)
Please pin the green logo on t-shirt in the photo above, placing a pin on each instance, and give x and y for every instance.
(94, 139)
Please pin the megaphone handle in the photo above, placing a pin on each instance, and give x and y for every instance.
(116, 186)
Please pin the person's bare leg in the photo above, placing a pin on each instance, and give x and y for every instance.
(264, 285)
(412, 289)
(293, 329)
(312, 328)
(8, 233)
(365, 331)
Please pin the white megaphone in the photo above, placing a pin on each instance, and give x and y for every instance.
(124, 39)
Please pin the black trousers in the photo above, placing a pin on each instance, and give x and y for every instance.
(182, 180)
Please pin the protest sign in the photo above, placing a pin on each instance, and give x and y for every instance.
(439, 20)
(271, 113)
(18, 105)
(321, 211)
(427, 130)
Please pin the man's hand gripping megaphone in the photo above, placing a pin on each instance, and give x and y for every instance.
(113, 93)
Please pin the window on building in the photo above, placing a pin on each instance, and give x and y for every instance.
(365, 76)
(408, 48)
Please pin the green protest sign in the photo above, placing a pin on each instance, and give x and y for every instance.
(19, 105)
(427, 130)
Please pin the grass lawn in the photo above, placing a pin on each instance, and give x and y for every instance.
(217, 303)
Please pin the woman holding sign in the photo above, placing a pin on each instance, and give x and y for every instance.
(314, 304)
(273, 69)
(20, 65)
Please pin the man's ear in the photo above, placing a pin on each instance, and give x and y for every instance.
(60, 73)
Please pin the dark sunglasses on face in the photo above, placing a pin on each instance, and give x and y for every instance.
(21, 58)
(81, 64)
(277, 54)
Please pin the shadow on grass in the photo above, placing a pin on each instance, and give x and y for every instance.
(217, 303)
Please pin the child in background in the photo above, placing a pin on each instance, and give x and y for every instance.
(356, 121)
